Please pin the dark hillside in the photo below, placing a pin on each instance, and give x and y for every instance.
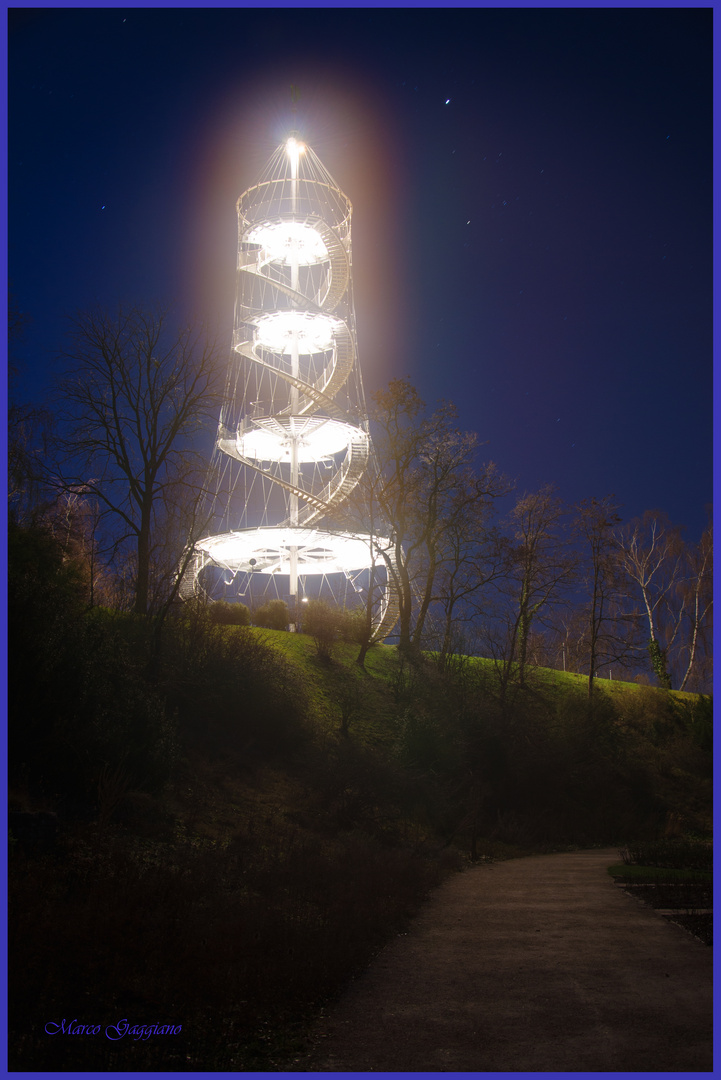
(219, 839)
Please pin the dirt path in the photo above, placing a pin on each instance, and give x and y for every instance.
(538, 964)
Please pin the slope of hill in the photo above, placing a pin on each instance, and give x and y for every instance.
(239, 826)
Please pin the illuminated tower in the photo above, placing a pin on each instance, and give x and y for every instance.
(292, 442)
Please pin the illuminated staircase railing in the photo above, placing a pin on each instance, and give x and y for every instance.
(294, 409)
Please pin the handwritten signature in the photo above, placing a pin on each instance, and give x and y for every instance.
(112, 1031)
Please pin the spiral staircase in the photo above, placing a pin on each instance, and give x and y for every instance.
(292, 444)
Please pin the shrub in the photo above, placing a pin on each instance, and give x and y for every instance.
(328, 625)
(272, 616)
(223, 613)
(353, 626)
(323, 623)
(695, 716)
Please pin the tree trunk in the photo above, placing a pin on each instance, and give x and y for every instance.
(694, 638)
(425, 604)
(447, 631)
(524, 626)
(405, 608)
(142, 583)
(658, 663)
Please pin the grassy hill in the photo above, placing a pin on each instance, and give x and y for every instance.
(242, 824)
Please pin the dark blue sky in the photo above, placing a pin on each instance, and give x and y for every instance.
(532, 207)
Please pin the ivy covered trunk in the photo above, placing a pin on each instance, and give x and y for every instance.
(658, 662)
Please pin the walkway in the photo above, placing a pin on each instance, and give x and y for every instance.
(539, 964)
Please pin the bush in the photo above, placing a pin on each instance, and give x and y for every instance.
(353, 626)
(695, 716)
(272, 616)
(223, 613)
(328, 625)
(323, 623)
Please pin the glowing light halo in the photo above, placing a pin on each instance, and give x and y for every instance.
(318, 551)
(316, 438)
(281, 331)
(289, 241)
(294, 149)
(292, 442)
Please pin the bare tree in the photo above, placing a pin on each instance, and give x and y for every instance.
(541, 569)
(696, 605)
(134, 394)
(652, 555)
(29, 430)
(672, 580)
(428, 487)
(29, 427)
(569, 639)
(368, 513)
(397, 416)
(610, 633)
(73, 521)
(448, 493)
(475, 556)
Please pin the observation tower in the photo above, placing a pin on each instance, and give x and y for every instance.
(292, 444)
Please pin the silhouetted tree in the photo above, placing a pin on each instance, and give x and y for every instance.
(362, 513)
(610, 633)
(540, 569)
(29, 426)
(428, 486)
(133, 393)
(475, 556)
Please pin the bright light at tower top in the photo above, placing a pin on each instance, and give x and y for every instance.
(294, 149)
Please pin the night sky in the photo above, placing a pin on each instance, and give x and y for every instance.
(532, 207)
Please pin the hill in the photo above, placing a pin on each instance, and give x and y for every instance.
(227, 834)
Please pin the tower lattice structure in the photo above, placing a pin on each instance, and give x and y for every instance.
(293, 442)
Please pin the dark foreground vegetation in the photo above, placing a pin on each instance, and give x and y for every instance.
(675, 877)
(215, 828)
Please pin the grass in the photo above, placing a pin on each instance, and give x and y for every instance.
(374, 715)
(553, 680)
(381, 661)
(616, 689)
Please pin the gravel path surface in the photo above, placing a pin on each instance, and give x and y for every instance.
(538, 964)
